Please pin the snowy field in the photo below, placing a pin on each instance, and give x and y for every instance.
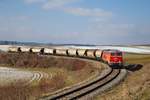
(130, 49)
(4, 47)
(13, 76)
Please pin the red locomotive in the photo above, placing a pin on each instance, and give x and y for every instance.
(112, 57)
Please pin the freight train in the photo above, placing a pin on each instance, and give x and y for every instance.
(110, 56)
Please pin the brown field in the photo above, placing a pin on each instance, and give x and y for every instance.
(137, 84)
(65, 72)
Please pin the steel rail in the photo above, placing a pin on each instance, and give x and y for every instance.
(86, 89)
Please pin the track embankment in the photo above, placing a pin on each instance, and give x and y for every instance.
(87, 90)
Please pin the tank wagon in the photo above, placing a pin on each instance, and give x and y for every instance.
(98, 53)
(81, 52)
(36, 50)
(72, 52)
(26, 49)
(14, 49)
(48, 51)
(90, 53)
(111, 57)
(62, 52)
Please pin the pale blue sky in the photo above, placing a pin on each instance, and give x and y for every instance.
(76, 21)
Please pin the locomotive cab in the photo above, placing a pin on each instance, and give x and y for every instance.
(113, 57)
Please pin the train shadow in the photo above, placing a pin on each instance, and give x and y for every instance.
(133, 67)
(130, 67)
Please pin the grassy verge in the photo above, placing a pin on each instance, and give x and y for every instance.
(137, 84)
(133, 58)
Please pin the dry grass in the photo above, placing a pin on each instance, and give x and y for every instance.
(132, 58)
(50, 85)
(18, 92)
(65, 72)
(14, 93)
(34, 60)
(137, 84)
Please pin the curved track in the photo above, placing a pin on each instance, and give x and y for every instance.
(86, 89)
(89, 89)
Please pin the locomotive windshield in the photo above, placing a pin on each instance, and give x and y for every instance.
(116, 54)
(119, 54)
(112, 54)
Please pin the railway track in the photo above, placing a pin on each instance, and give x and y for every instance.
(86, 89)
